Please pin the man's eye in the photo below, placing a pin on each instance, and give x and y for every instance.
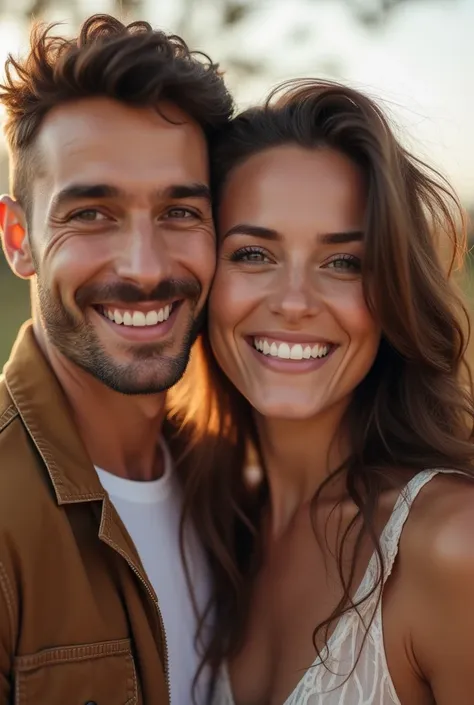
(180, 213)
(89, 215)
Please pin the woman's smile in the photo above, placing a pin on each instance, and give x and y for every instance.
(298, 356)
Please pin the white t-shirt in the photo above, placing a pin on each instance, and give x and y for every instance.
(151, 513)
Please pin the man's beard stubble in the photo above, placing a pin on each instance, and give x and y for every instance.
(150, 371)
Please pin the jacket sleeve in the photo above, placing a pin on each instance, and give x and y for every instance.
(7, 635)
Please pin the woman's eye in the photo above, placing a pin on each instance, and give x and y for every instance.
(250, 254)
(345, 263)
(90, 215)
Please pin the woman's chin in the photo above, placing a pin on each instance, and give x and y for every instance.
(286, 409)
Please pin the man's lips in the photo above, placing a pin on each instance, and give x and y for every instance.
(137, 315)
(136, 326)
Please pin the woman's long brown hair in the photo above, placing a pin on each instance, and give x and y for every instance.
(414, 410)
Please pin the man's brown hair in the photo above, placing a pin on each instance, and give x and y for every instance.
(133, 64)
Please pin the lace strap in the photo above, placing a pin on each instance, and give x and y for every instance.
(390, 538)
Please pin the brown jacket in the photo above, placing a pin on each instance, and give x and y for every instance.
(79, 620)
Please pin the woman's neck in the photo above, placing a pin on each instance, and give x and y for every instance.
(299, 456)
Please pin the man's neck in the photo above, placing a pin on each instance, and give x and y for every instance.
(120, 432)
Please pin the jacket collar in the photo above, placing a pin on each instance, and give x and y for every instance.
(47, 417)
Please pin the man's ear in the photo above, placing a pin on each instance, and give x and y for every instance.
(15, 238)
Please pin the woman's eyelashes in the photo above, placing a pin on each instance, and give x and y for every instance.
(251, 254)
(344, 262)
(254, 254)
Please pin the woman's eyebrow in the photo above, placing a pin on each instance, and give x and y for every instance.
(253, 231)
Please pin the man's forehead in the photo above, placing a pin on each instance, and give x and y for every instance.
(102, 113)
(101, 135)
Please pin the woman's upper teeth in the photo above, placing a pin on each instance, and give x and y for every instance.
(293, 351)
(137, 318)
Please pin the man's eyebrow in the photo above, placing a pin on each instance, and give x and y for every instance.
(341, 238)
(79, 192)
(196, 190)
(253, 231)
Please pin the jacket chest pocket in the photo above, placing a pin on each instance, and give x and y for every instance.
(91, 674)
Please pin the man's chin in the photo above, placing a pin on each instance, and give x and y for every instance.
(130, 367)
(145, 377)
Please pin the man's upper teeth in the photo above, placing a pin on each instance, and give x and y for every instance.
(290, 352)
(138, 318)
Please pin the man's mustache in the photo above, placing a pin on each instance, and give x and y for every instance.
(128, 293)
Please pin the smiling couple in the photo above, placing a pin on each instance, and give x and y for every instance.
(250, 536)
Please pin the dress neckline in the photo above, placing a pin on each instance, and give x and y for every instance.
(389, 540)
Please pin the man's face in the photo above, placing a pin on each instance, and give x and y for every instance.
(122, 240)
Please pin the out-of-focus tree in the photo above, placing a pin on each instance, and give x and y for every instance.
(370, 12)
(218, 26)
(374, 13)
(228, 18)
(28, 10)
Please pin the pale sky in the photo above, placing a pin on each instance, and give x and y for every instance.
(422, 63)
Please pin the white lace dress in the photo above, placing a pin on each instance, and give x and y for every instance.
(370, 682)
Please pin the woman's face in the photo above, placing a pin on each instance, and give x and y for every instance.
(289, 324)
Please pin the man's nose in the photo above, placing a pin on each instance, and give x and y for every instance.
(144, 258)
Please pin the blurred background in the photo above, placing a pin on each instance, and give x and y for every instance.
(415, 55)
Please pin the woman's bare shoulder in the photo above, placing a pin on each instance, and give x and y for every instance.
(437, 544)
(436, 564)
